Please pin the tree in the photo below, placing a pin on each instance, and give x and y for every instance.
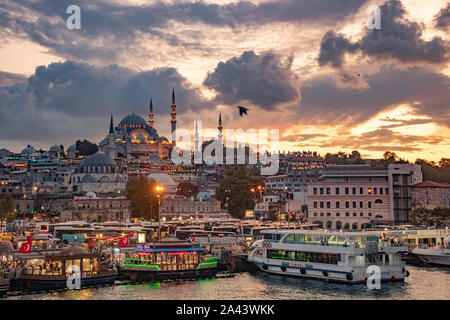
(272, 215)
(234, 191)
(422, 217)
(388, 155)
(444, 162)
(141, 193)
(433, 172)
(7, 207)
(86, 148)
(187, 189)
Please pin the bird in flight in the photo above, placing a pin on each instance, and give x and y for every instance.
(242, 110)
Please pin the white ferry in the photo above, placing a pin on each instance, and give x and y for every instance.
(438, 255)
(333, 256)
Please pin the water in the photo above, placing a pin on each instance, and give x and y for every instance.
(423, 283)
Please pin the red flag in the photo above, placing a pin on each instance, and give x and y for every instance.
(30, 238)
(130, 233)
(124, 241)
(91, 245)
(25, 247)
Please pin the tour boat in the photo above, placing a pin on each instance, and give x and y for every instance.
(169, 260)
(437, 256)
(52, 272)
(333, 256)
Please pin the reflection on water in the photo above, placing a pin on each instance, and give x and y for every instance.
(423, 283)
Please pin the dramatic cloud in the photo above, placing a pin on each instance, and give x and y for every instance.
(398, 38)
(67, 95)
(116, 27)
(333, 48)
(442, 19)
(323, 102)
(265, 81)
(8, 79)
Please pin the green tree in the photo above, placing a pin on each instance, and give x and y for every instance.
(141, 193)
(272, 215)
(422, 217)
(187, 189)
(234, 191)
(389, 155)
(86, 148)
(7, 207)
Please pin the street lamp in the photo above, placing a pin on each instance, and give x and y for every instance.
(159, 190)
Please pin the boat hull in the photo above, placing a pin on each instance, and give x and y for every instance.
(435, 258)
(347, 275)
(151, 276)
(60, 283)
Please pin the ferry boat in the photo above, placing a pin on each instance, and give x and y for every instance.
(169, 260)
(341, 257)
(435, 255)
(51, 272)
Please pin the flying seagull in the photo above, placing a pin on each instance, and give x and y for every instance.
(242, 110)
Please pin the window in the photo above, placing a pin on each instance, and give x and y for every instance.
(337, 214)
(328, 214)
(328, 191)
(328, 204)
(321, 204)
(370, 214)
(346, 191)
(315, 204)
(354, 204)
(361, 191)
(314, 190)
(361, 214)
(374, 190)
(347, 204)
(381, 190)
(378, 201)
(347, 214)
(321, 214)
(321, 190)
(353, 190)
(369, 190)
(354, 214)
(337, 190)
(369, 204)
(386, 190)
(338, 204)
(315, 214)
(361, 204)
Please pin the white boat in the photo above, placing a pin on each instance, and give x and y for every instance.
(438, 256)
(333, 256)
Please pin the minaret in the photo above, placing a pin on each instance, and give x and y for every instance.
(150, 115)
(220, 128)
(111, 126)
(174, 118)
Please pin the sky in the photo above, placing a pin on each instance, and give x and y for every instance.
(310, 68)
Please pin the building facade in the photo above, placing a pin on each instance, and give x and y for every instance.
(430, 195)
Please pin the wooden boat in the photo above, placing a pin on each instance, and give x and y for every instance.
(169, 260)
(52, 271)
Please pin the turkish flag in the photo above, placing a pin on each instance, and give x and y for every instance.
(124, 241)
(25, 247)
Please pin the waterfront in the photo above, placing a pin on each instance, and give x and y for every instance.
(423, 283)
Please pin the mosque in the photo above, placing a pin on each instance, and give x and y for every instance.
(136, 139)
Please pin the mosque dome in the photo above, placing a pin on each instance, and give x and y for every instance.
(55, 148)
(98, 159)
(133, 121)
(28, 150)
(155, 157)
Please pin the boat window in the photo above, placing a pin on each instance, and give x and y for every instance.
(299, 238)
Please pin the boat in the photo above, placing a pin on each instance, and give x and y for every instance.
(169, 260)
(51, 272)
(435, 255)
(341, 257)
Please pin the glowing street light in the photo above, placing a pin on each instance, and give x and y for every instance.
(159, 190)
